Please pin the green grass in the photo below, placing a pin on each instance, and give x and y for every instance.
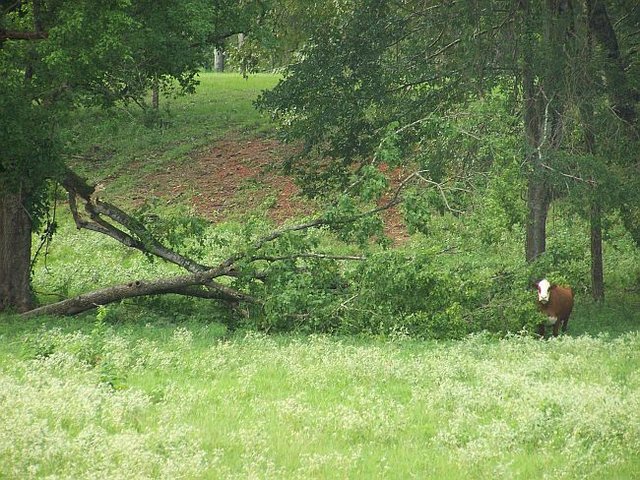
(111, 144)
(619, 314)
(86, 400)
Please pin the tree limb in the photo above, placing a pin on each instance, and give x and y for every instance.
(12, 35)
(77, 187)
(184, 284)
(308, 255)
(200, 282)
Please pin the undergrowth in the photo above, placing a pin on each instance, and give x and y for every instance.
(439, 286)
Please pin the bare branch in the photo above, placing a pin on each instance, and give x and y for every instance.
(321, 222)
(567, 175)
(151, 245)
(77, 187)
(440, 189)
(8, 35)
(321, 256)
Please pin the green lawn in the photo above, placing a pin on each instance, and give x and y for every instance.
(150, 401)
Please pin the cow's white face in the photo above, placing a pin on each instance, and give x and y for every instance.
(543, 291)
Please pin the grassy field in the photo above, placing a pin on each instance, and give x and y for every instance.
(93, 400)
(110, 144)
(161, 388)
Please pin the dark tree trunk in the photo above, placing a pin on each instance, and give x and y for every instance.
(597, 264)
(623, 100)
(536, 189)
(542, 115)
(537, 208)
(538, 197)
(15, 254)
(622, 97)
(155, 94)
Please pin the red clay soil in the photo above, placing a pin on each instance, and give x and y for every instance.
(234, 176)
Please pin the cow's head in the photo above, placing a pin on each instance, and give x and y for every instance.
(544, 287)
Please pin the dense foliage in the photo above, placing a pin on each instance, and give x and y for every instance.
(380, 116)
(411, 72)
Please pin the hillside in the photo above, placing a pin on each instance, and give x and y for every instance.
(210, 151)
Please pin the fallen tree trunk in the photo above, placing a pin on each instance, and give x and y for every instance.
(201, 280)
(182, 285)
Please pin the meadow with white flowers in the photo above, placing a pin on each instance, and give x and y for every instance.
(193, 401)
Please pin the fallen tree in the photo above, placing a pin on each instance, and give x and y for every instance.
(204, 281)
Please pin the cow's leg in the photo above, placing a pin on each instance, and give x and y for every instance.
(564, 324)
(556, 327)
(541, 331)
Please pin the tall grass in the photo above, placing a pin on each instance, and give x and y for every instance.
(188, 401)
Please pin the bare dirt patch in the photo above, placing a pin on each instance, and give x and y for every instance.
(230, 177)
(235, 176)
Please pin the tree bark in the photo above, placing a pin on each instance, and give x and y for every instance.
(538, 201)
(623, 100)
(5, 35)
(595, 214)
(15, 253)
(597, 264)
(538, 196)
(155, 94)
(182, 285)
(543, 114)
(218, 60)
(622, 97)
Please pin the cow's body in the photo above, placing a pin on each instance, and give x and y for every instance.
(556, 303)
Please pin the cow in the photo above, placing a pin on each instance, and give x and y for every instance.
(556, 303)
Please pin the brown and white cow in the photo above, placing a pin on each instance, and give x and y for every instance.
(556, 303)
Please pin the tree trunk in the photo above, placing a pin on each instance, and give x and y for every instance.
(155, 94)
(537, 208)
(622, 101)
(597, 264)
(243, 69)
(543, 115)
(622, 96)
(537, 190)
(15, 254)
(218, 60)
